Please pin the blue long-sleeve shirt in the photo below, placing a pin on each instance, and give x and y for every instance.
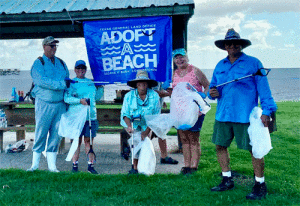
(134, 106)
(49, 79)
(84, 88)
(237, 99)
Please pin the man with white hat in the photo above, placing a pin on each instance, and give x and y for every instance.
(235, 102)
(140, 102)
(48, 73)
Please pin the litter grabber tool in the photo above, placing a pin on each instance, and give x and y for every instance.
(70, 81)
(259, 73)
(91, 151)
(132, 119)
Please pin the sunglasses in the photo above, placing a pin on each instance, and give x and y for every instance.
(232, 43)
(52, 46)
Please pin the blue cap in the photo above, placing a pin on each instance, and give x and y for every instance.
(80, 63)
(180, 51)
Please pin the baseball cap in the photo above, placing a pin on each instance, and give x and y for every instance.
(48, 40)
(80, 63)
(180, 51)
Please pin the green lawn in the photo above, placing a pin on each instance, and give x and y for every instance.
(282, 176)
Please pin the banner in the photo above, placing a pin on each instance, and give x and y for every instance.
(118, 48)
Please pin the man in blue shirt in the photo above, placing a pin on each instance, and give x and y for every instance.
(48, 73)
(235, 102)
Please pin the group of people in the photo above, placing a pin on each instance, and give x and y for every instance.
(53, 90)
(235, 102)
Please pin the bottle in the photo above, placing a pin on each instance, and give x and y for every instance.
(14, 95)
(3, 121)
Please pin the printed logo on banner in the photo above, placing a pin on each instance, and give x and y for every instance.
(118, 48)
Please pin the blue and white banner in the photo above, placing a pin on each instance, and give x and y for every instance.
(118, 48)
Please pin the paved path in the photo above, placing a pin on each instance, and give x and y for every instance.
(106, 147)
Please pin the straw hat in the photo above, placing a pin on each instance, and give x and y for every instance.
(232, 36)
(142, 76)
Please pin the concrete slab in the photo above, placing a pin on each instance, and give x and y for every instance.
(106, 147)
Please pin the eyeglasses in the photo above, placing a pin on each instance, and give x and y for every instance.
(52, 46)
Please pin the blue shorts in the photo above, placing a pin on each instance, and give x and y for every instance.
(197, 127)
(86, 129)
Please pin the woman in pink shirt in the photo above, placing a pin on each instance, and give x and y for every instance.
(184, 72)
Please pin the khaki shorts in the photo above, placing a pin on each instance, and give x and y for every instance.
(224, 132)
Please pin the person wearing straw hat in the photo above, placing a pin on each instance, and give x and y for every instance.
(141, 101)
(48, 73)
(83, 92)
(235, 102)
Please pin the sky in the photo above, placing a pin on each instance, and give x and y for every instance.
(273, 27)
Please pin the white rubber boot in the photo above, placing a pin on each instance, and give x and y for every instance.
(51, 159)
(35, 161)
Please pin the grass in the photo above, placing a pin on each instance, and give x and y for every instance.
(19, 187)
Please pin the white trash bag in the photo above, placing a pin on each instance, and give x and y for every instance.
(147, 158)
(160, 124)
(71, 125)
(19, 146)
(186, 105)
(259, 135)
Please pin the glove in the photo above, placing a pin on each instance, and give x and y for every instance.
(69, 81)
(203, 95)
(88, 101)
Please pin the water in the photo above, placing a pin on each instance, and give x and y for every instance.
(284, 84)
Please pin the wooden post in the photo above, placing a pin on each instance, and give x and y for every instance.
(1, 141)
(20, 134)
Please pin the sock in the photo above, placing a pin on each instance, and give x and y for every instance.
(90, 163)
(75, 163)
(226, 174)
(260, 179)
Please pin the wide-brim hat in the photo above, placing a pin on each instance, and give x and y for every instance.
(142, 76)
(232, 36)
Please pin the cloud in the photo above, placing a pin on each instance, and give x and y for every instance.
(221, 7)
(289, 45)
(260, 31)
(223, 23)
(277, 33)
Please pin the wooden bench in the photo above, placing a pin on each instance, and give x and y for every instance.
(19, 119)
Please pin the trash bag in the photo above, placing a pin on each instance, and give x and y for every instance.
(259, 135)
(71, 125)
(17, 147)
(160, 124)
(185, 108)
(147, 158)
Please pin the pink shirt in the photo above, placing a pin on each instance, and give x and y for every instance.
(190, 77)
